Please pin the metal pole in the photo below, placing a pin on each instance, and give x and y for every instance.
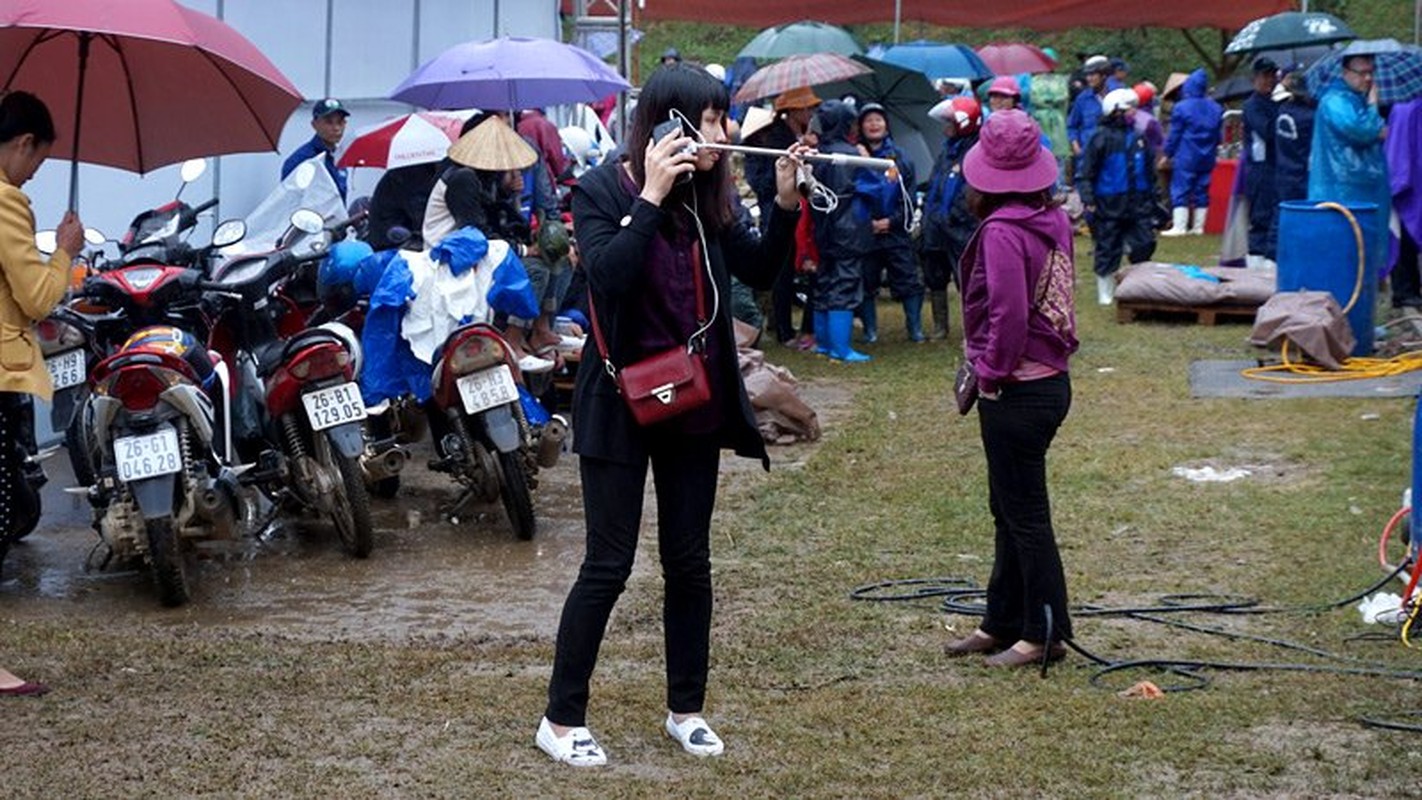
(623, 66)
(78, 115)
(899, 12)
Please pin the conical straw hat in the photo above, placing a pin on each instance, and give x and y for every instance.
(493, 145)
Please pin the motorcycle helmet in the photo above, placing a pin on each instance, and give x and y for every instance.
(1118, 101)
(1145, 94)
(964, 111)
(335, 280)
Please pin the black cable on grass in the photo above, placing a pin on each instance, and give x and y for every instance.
(1392, 725)
(963, 596)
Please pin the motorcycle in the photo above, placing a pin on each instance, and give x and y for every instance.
(300, 416)
(151, 433)
(489, 445)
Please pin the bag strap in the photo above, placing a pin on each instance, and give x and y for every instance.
(703, 322)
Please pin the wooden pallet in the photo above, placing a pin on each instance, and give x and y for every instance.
(1133, 310)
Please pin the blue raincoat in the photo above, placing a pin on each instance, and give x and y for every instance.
(1192, 142)
(1347, 162)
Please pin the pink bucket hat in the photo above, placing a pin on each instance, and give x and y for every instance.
(1005, 84)
(1009, 156)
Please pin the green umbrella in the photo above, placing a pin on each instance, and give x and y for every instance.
(906, 96)
(800, 37)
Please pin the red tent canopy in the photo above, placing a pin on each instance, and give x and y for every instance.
(1041, 15)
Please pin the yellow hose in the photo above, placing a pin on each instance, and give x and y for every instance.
(1352, 369)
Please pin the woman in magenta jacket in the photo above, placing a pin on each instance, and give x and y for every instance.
(1020, 330)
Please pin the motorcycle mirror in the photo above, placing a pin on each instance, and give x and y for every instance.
(47, 241)
(230, 231)
(307, 221)
(94, 236)
(304, 173)
(192, 169)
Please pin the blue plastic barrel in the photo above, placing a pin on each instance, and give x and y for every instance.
(1318, 252)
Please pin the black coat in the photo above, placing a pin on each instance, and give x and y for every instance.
(613, 230)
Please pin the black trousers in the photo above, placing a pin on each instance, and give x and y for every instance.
(1113, 236)
(19, 498)
(684, 472)
(1017, 428)
(902, 268)
(1406, 282)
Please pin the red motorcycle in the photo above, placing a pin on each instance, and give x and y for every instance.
(486, 440)
(298, 413)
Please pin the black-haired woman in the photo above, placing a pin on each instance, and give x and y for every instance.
(30, 287)
(644, 228)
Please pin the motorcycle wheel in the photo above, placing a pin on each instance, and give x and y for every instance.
(513, 490)
(168, 573)
(350, 506)
(76, 445)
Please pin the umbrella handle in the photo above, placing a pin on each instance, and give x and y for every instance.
(84, 39)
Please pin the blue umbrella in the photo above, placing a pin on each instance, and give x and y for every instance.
(1398, 69)
(507, 74)
(937, 60)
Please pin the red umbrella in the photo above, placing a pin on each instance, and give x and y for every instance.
(142, 83)
(404, 141)
(793, 72)
(1016, 58)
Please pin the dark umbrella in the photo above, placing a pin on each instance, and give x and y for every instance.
(800, 38)
(1234, 87)
(938, 60)
(143, 83)
(906, 96)
(1290, 29)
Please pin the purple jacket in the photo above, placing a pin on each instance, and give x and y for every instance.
(1014, 307)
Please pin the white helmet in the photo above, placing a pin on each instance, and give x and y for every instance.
(1118, 100)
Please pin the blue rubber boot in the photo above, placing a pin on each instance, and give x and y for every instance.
(913, 318)
(822, 344)
(869, 313)
(840, 324)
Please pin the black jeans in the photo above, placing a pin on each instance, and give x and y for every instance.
(1017, 428)
(684, 472)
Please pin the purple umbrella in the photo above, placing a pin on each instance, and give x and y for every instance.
(508, 74)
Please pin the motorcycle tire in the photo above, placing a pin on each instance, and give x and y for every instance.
(166, 560)
(517, 498)
(81, 461)
(352, 512)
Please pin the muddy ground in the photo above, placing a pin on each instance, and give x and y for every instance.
(426, 576)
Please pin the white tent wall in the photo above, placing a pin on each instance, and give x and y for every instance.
(356, 50)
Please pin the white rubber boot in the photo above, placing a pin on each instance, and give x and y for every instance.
(1180, 223)
(1105, 289)
(1252, 261)
(1197, 222)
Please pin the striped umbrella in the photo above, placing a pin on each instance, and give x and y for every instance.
(1398, 69)
(404, 141)
(794, 72)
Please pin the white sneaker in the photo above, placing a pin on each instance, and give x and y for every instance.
(532, 363)
(571, 344)
(577, 749)
(695, 736)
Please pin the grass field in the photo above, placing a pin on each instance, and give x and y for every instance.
(817, 695)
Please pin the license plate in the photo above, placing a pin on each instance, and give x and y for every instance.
(147, 456)
(66, 369)
(487, 388)
(334, 405)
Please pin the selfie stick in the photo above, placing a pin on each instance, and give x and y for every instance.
(833, 158)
